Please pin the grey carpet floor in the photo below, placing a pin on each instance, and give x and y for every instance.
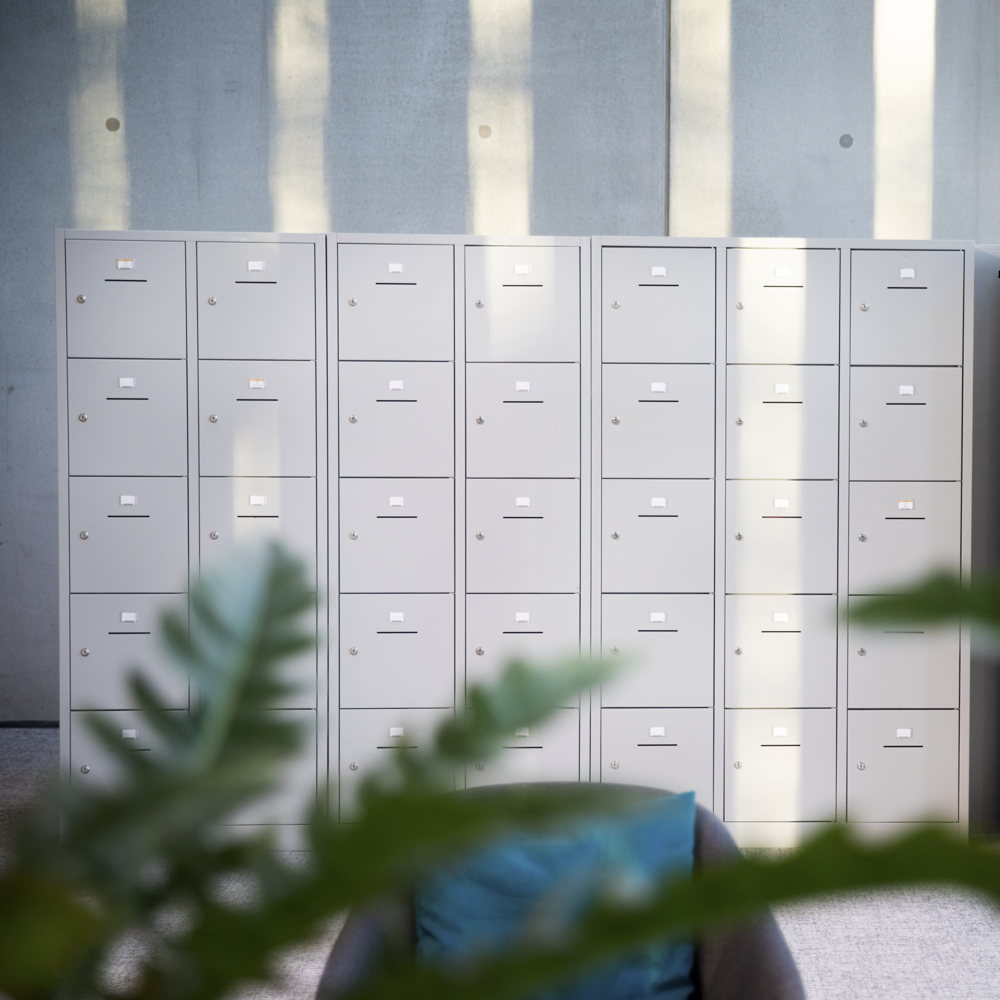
(914, 944)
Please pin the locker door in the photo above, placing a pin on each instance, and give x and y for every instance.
(522, 303)
(906, 307)
(781, 537)
(368, 736)
(92, 762)
(783, 421)
(127, 418)
(257, 300)
(523, 536)
(783, 306)
(901, 532)
(658, 421)
(906, 423)
(658, 536)
(668, 748)
(397, 418)
(257, 418)
(125, 299)
(539, 628)
(523, 420)
(902, 766)
(114, 635)
(396, 302)
(780, 764)
(549, 751)
(666, 642)
(242, 511)
(397, 649)
(781, 651)
(397, 536)
(658, 304)
(902, 665)
(128, 535)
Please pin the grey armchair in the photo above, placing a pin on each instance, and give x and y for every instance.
(749, 961)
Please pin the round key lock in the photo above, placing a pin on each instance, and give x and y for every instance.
(81, 299)
(353, 418)
(212, 300)
(862, 538)
(353, 536)
(862, 651)
(864, 307)
(479, 765)
(737, 764)
(480, 303)
(480, 650)
(862, 423)
(739, 421)
(616, 304)
(213, 535)
(739, 536)
(615, 650)
(354, 650)
(213, 418)
(480, 535)
(738, 651)
(354, 765)
(85, 535)
(616, 421)
(861, 765)
(85, 651)
(82, 418)
(352, 302)
(615, 535)
(614, 765)
(480, 420)
(85, 769)
(739, 305)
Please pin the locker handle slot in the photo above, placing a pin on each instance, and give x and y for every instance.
(782, 402)
(907, 288)
(521, 747)
(256, 282)
(258, 516)
(131, 281)
(130, 633)
(398, 632)
(783, 286)
(523, 517)
(902, 631)
(519, 285)
(520, 632)
(400, 747)
(138, 399)
(657, 400)
(397, 400)
(902, 746)
(650, 284)
(793, 745)
(781, 631)
(395, 517)
(906, 518)
(905, 404)
(656, 630)
(657, 515)
(255, 399)
(129, 515)
(395, 283)
(656, 744)
(524, 401)
(781, 517)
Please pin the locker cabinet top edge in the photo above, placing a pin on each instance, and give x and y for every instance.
(779, 243)
(465, 239)
(199, 236)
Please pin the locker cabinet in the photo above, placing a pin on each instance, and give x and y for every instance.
(395, 302)
(781, 537)
(658, 421)
(257, 418)
(522, 303)
(907, 307)
(539, 628)
(368, 737)
(902, 665)
(397, 418)
(549, 751)
(900, 532)
(667, 748)
(397, 536)
(114, 635)
(397, 650)
(91, 761)
(125, 299)
(782, 306)
(902, 766)
(665, 642)
(906, 423)
(657, 536)
(247, 511)
(782, 421)
(522, 536)
(781, 651)
(658, 304)
(128, 534)
(780, 765)
(127, 418)
(522, 420)
(257, 300)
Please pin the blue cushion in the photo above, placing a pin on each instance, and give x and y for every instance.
(526, 887)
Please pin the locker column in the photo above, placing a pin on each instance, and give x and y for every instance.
(781, 432)
(657, 447)
(523, 502)
(903, 682)
(396, 528)
(127, 463)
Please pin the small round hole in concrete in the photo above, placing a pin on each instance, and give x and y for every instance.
(112, 124)
(846, 141)
(485, 131)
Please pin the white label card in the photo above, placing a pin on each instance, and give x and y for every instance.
(781, 503)
(395, 385)
(396, 732)
(127, 501)
(255, 265)
(782, 272)
(904, 734)
(396, 616)
(130, 616)
(522, 387)
(395, 268)
(657, 272)
(522, 269)
(657, 501)
(396, 502)
(126, 265)
(657, 386)
(782, 388)
(126, 383)
(907, 272)
(258, 501)
(779, 731)
(522, 501)
(904, 505)
(658, 616)
(780, 617)
(523, 733)
(522, 616)
(257, 383)
(906, 390)
(660, 731)
(130, 734)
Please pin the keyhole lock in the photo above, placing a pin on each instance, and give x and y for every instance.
(480, 650)
(739, 421)
(862, 538)
(85, 651)
(81, 299)
(739, 305)
(480, 420)
(352, 302)
(480, 535)
(614, 765)
(214, 535)
(85, 769)
(354, 650)
(862, 651)
(213, 418)
(353, 536)
(615, 421)
(480, 303)
(354, 765)
(615, 535)
(82, 418)
(616, 304)
(739, 536)
(85, 535)
(864, 307)
(479, 765)
(353, 418)
(615, 650)
(212, 300)
(862, 423)
(861, 765)
(738, 651)
(737, 764)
